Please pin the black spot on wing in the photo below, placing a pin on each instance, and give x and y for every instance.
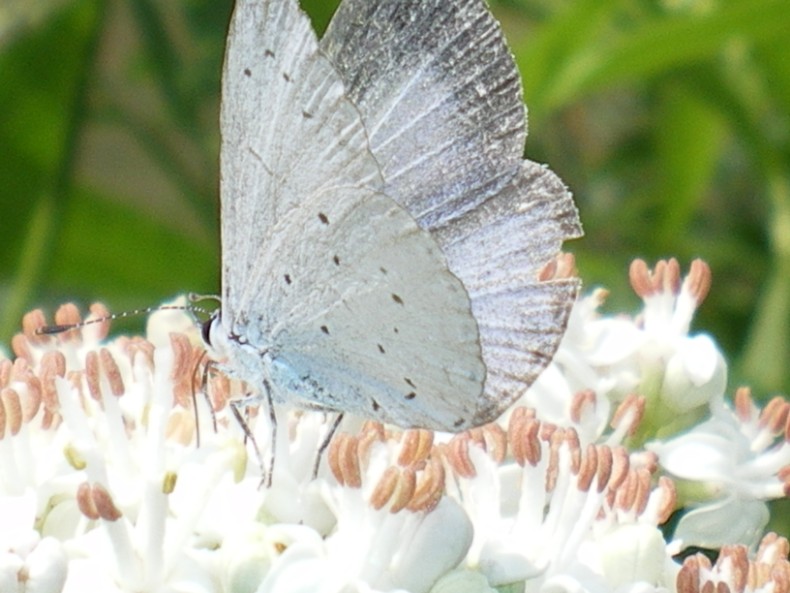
(268, 53)
(286, 77)
(287, 278)
(397, 298)
(381, 348)
(411, 395)
(325, 329)
(247, 72)
(307, 115)
(336, 259)
(323, 218)
(375, 404)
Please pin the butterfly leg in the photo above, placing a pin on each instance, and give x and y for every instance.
(273, 423)
(235, 406)
(325, 443)
(207, 368)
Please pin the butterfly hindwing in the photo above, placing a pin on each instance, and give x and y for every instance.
(441, 97)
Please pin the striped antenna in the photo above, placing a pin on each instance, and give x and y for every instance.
(48, 330)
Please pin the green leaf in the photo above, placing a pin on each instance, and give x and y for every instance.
(49, 70)
(653, 47)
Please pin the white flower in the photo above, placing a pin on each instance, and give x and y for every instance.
(98, 435)
(742, 459)
(768, 571)
(28, 562)
(651, 355)
(547, 513)
(131, 464)
(682, 373)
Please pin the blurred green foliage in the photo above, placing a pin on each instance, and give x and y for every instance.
(669, 121)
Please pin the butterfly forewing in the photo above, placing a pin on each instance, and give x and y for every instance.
(439, 94)
(330, 289)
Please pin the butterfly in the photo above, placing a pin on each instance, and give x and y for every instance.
(384, 244)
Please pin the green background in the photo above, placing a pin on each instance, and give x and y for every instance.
(668, 120)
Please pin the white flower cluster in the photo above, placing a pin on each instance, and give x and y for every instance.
(123, 468)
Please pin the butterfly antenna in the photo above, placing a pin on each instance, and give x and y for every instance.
(194, 297)
(48, 330)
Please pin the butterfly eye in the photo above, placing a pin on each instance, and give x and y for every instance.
(205, 330)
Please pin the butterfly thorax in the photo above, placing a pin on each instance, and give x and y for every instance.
(258, 365)
(236, 356)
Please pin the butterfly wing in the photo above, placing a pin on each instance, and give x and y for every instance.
(441, 98)
(330, 289)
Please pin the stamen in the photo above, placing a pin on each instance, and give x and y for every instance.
(773, 549)
(698, 281)
(385, 487)
(53, 364)
(490, 438)
(180, 427)
(9, 399)
(112, 372)
(415, 446)
(93, 375)
(86, 503)
(68, 315)
(605, 467)
(219, 388)
(571, 440)
(31, 323)
(430, 487)
(102, 328)
(643, 490)
(587, 468)
(621, 465)
(669, 499)
(631, 411)
(547, 430)
(182, 371)
(372, 432)
(458, 456)
(137, 345)
(744, 404)
(343, 460)
(169, 482)
(626, 493)
(553, 466)
(20, 372)
(104, 504)
(664, 278)
(582, 402)
(561, 267)
(774, 415)
(523, 439)
(20, 346)
(496, 441)
(404, 489)
(734, 571)
(74, 458)
(374, 426)
(6, 367)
